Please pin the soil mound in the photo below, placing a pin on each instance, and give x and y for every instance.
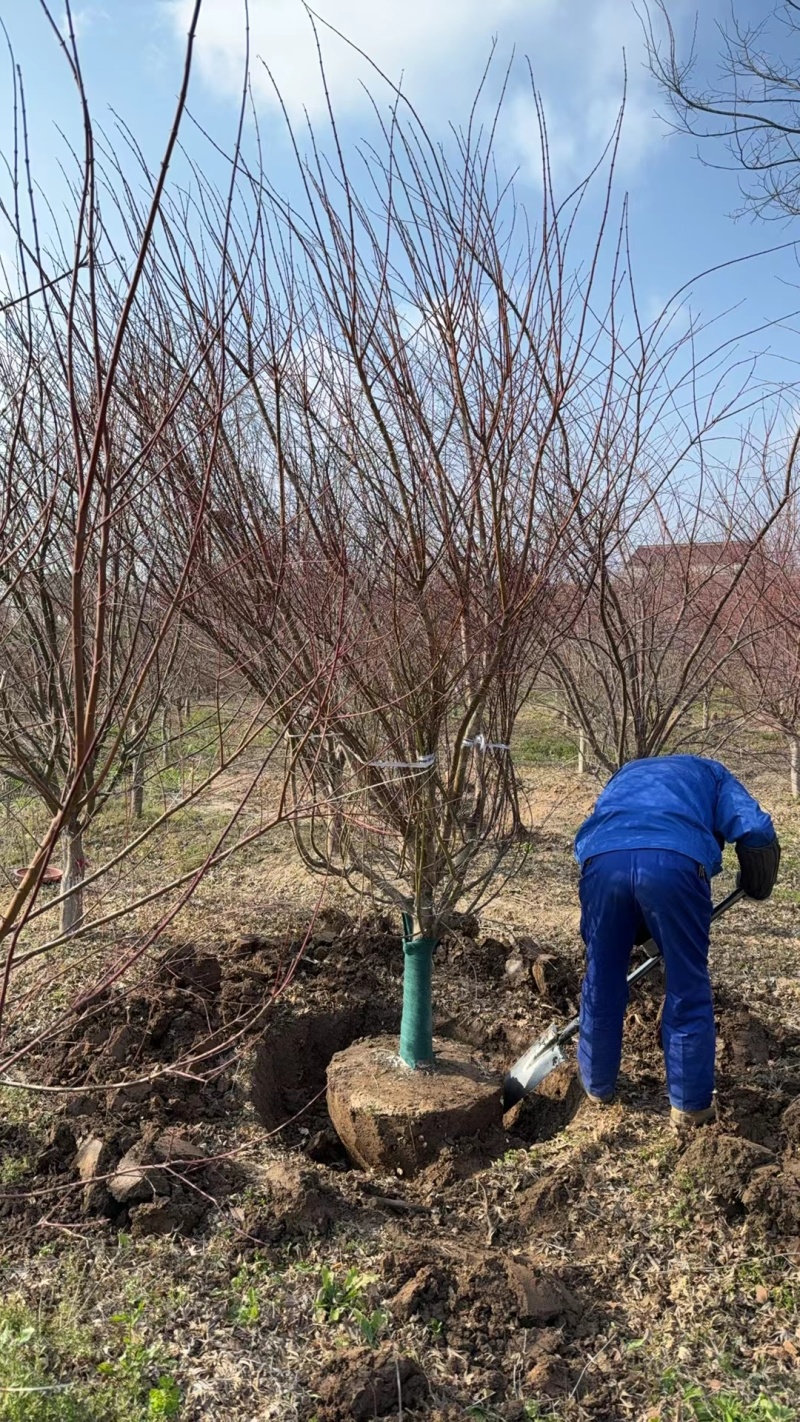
(159, 1058)
(723, 1163)
(362, 1385)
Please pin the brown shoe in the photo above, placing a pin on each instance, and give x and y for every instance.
(600, 1100)
(689, 1120)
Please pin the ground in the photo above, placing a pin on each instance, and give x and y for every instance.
(581, 1263)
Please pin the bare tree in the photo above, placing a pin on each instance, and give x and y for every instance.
(89, 639)
(403, 472)
(432, 396)
(662, 570)
(750, 108)
(764, 673)
(83, 640)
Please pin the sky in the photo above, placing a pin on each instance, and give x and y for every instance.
(578, 51)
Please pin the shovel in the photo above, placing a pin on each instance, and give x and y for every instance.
(546, 1053)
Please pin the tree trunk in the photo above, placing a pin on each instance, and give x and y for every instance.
(74, 866)
(706, 709)
(794, 765)
(181, 762)
(137, 783)
(166, 749)
(581, 753)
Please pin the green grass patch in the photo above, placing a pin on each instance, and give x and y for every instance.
(52, 1370)
(714, 1404)
(545, 749)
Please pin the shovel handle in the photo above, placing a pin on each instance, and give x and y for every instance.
(571, 1030)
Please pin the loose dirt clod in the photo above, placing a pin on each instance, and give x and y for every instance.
(173, 1145)
(92, 1158)
(424, 1296)
(299, 1203)
(184, 968)
(364, 1386)
(724, 1163)
(550, 1196)
(59, 1148)
(550, 1377)
(745, 1039)
(539, 1297)
(178, 1215)
(774, 1195)
(135, 1179)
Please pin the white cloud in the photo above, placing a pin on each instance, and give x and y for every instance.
(437, 49)
(83, 17)
(582, 72)
(425, 41)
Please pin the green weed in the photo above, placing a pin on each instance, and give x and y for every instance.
(724, 1407)
(752, 1274)
(700, 1405)
(343, 1299)
(684, 1210)
(13, 1169)
(163, 1400)
(136, 1362)
(249, 1310)
(545, 748)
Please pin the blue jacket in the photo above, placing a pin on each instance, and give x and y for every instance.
(680, 802)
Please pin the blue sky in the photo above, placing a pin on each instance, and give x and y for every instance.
(679, 210)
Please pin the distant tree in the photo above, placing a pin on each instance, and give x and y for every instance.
(764, 672)
(663, 597)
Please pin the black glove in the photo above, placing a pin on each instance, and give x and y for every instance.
(758, 869)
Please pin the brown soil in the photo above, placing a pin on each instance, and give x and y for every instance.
(391, 1119)
(500, 1271)
(363, 1385)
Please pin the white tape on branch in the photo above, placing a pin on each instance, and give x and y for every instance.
(423, 762)
(481, 744)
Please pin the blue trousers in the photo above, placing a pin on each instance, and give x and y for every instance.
(621, 892)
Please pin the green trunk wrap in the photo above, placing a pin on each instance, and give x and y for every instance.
(416, 1025)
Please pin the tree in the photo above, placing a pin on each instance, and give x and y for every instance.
(765, 669)
(432, 393)
(92, 304)
(85, 643)
(664, 599)
(751, 107)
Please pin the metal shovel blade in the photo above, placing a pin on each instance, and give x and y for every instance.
(542, 1057)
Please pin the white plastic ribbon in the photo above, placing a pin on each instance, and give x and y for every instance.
(481, 744)
(423, 762)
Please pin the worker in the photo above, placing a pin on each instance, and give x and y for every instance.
(648, 852)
